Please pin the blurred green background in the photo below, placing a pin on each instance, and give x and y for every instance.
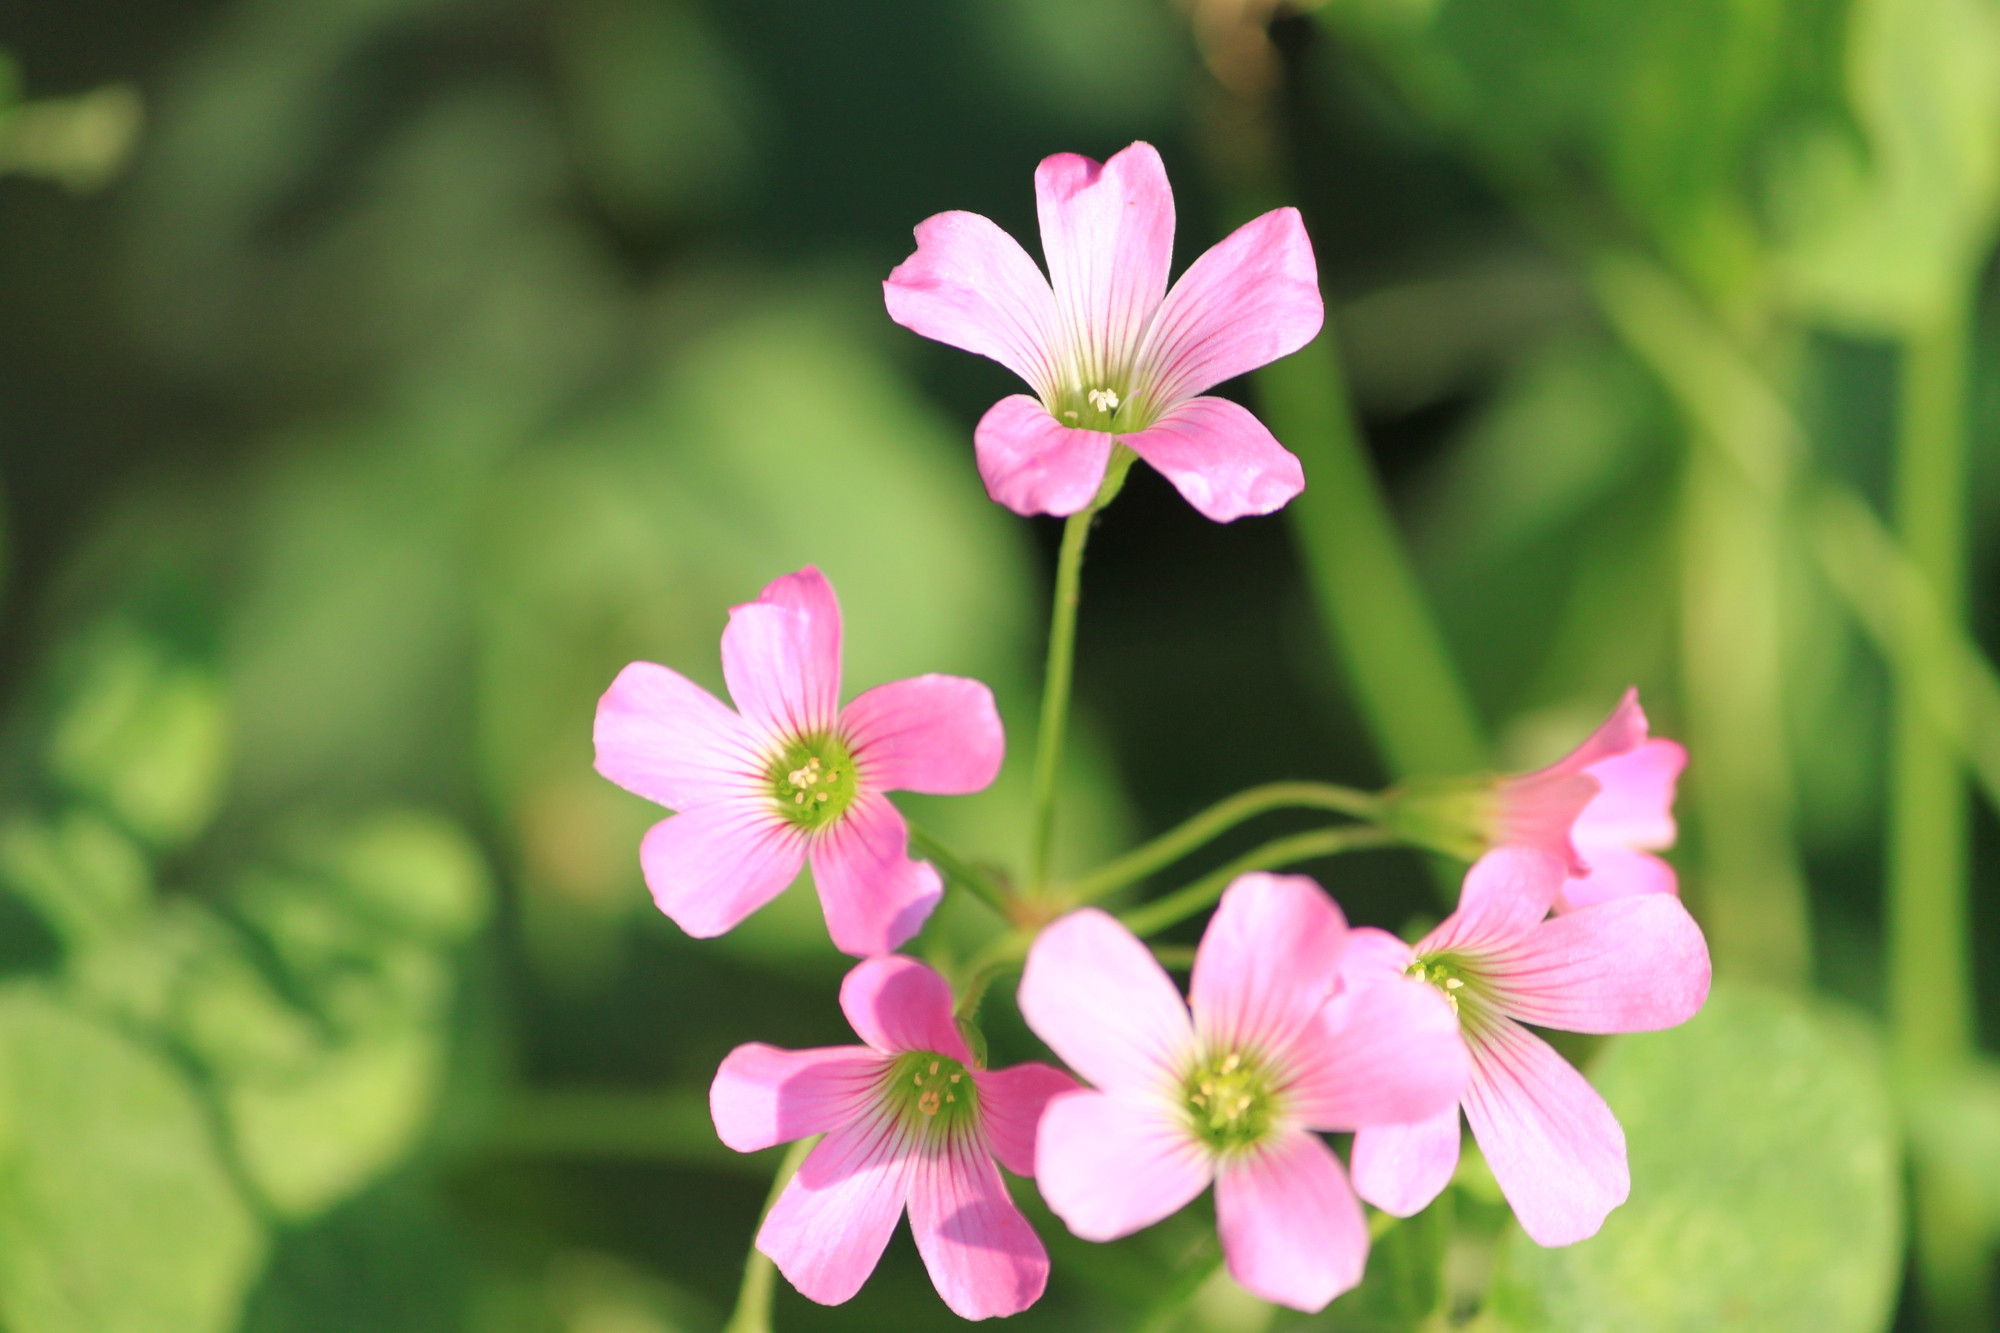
(377, 377)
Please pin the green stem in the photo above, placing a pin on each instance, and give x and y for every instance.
(1164, 1314)
(1219, 818)
(1184, 902)
(1062, 657)
(753, 1300)
(956, 870)
(1374, 608)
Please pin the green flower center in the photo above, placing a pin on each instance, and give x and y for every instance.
(1449, 973)
(1105, 407)
(1230, 1101)
(813, 780)
(932, 1093)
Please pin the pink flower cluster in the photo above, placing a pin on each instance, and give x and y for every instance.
(1294, 1025)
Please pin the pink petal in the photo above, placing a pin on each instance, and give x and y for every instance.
(1553, 1144)
(1506, 893)
(1108, 236)
(1110, 1163)
(1102, 1002)
(1250, 300)
(1636, 807)
(984, 1258)
(664, 737)
(972, 286)
(781, 655)
(762, 1095)
(1220, 458)
(1616, 872)
(711, 866)
(1401, 1168)
(1034, 464)
(1291, 1229)
(1382, 1054)
(896, 1004)
(1011, 1102)
(1267, 962)
(937, 734)
(1540, 811)
(1624, 730)
(828, 1229)
(874, 896)
(1630, 965)
(1373, 955)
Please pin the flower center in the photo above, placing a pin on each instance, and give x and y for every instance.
(813, 780)
(1230, 1101)
(931, 1093)
(1447, 972)
(1101, 407)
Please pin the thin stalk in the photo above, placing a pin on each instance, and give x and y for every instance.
(1184, 902)
(1219, 818)
(1062, 658)
(753, 1300)
(957, 870)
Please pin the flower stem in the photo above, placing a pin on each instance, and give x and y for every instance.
(1219, 818)
(753, 1301)
(1185, 902)
(1165, 1313)
(957, 870)
(1062, 657)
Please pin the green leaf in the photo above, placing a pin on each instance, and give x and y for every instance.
(84, 876)
(115, 1212)
(1766, 1184)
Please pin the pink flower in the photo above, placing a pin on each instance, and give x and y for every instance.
(795, 777)
(1232, 1096)
(1111, 353)
(1628, 965)
(909, 1122)
(1601, 810)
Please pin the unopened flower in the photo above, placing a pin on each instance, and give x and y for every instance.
(1234, 1094)
(793, 777)
(1602, 810)
(1630, 964)
(910, 1122)
(1111, 354)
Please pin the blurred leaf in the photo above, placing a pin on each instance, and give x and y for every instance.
(1117, 62)
(418, 872)
(115, 1213)
(1955, 1137)
(1766, 1185)
(146, 736)
(84, 876)
(1888, 231)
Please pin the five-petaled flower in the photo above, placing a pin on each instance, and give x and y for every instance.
(1631, 964)
(909, 1120)
(794, 777)
(1272, 1053)
(1112, 355)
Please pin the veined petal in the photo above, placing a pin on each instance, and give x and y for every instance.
(1253, 298)
(781, 655)
(1108, 236)
(1034, 464)
(1553, 1144)
(1110, 1163)
(1291, 1229)
(1616, 872)
(971, 285)
(1401, 1168)
(936, 734)
(1630, 965)
(1373, 954)
(828, 1229)
(984, 1258)
(1636, 806)
(1506, 892)
(662, 736)
(1011, 1102)
(874, 896)
(1540, 811)
(1624, 730)
(1382, 1054)
(1102, 1002)
(711, 866)
(1267, 962)
(763, 1095)
(896, 1004)
(1220, 458)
